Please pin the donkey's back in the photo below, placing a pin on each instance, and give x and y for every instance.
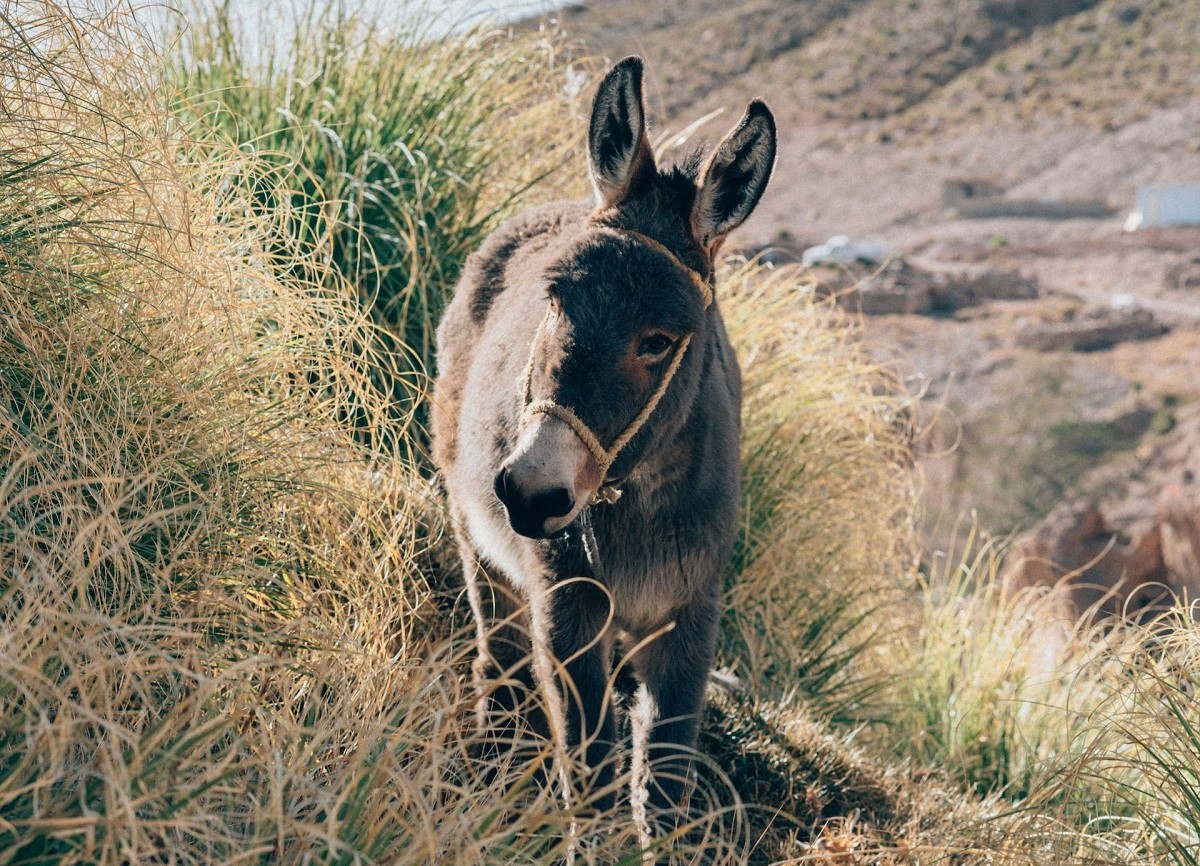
(520, 243)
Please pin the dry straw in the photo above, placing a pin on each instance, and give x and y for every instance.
(225, 635)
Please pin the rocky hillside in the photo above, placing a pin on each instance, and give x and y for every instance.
(1135, 543)
(943, 60)
(880, 103)
(1110, 65)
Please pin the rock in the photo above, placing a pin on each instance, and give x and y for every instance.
(901, 288)
(842, 250)
(1133, 553)
(1108, 568)
(956, 292)
(882, 297)
(1183, 275)
(1180, 528)
(1098, 328)
(1132, 421)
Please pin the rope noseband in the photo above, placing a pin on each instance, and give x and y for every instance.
(607, 492)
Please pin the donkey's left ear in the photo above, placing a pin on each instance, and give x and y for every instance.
(735, 177)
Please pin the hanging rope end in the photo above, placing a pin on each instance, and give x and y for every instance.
(606, 494)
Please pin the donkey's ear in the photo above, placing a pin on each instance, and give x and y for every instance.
(619, 153)
(735, 176)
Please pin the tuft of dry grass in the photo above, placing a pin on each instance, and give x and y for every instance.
(218, 640)
(827, 497)
(1001, 684)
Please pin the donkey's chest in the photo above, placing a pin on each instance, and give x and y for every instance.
(655, 569)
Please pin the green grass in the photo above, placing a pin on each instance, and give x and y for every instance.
(397, 154)
(1147, 754)
(1000, 684)
(823, 471)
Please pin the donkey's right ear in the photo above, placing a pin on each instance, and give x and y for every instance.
(619, 153)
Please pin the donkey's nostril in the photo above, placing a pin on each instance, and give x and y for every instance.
(555, 503)
(503, 487)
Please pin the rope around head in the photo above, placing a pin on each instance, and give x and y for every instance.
(605, 457)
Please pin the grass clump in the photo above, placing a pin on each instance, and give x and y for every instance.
(825, 472)
(396, 153)
(1001, 684)
(218, 642)
(1146, 753)
(793, 775)
(1085, 726)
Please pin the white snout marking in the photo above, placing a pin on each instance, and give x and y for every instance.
(549, 456)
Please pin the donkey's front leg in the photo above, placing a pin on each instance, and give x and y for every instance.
(581, 639)
(501, 671)
(674, 669)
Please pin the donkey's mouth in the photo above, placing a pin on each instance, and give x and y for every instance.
(539, 533)
(535, 528)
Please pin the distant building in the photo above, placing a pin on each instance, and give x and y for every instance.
(1166, 204)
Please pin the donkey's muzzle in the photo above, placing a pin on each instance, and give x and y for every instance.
(547, 480)
(532, 513)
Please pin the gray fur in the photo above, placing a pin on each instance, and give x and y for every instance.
(666, 542)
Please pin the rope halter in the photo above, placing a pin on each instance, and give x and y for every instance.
(608, 492)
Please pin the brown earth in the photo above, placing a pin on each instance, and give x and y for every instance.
(1134, 547)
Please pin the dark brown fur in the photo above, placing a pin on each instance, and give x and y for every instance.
(665, 543)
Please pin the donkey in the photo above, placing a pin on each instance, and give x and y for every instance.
(586, 420)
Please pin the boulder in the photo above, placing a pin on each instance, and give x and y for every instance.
(1134, 552)
(955, 292)
(1183, 275)
(1179, 525)
(901, 288)
(1097, 328)
(1110, 569)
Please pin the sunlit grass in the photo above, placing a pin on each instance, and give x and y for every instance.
(229, 625)
(826, 472)
(396, 153)
(1001, 683)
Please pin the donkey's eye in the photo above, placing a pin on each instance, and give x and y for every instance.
(655, 345)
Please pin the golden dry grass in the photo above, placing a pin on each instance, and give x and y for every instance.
(827, 496)
(228, 631)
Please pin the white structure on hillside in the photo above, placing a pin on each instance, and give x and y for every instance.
(1166, 204)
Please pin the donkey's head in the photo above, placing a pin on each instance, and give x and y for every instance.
(610, 372)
